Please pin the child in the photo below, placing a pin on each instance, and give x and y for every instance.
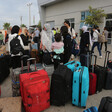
(58, 49)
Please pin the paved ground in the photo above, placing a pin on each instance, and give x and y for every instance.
(93, 100)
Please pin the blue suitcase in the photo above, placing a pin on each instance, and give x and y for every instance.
(91, 109)
(80, 86)
(73, 65)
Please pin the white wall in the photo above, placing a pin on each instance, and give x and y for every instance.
(72, 9)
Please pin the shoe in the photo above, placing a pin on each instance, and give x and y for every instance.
(100, 57)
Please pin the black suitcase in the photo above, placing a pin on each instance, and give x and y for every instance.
(4, 68)
(85, 59)
(100, 71)
(61, 86)
(108, 81)
(105, 105)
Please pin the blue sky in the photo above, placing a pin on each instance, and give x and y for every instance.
(11, 10)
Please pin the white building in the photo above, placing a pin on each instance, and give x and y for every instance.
(56, 12)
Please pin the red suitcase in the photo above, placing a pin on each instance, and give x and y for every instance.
(92, 80)
(35, 90)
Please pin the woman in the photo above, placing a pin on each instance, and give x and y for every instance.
(25, 38)
(15, 58)
(46, 38)
(46, 42)
(85, 41)
(67, 43)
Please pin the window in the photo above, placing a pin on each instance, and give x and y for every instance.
(72, 22)
(109, 16)
(83, 17)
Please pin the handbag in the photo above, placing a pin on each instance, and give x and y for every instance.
(47, 59)
(101, 38)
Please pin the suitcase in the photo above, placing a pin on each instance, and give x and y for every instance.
(91, 109)
(80, 87)
(85, 59)
(34, 54)
(35, 90)
(15, 76)
(108, 82)
(73, 65)
(61, 86)
(4, 68)
(105, 105)
(92, 79)
(109, 64)
(49, 69)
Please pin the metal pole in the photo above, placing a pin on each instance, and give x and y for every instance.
(29, 5)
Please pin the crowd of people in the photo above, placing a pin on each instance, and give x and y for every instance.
(62, 44)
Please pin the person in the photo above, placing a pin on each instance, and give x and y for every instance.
(58, 49)
(46, 38)
(67, 43)
(106, 37)
(95, 42)
(71, 31)
(57, 30)
(1, 38)
(24, 36)
(36, 35)
(15, 58)
(54, 31)
(85, 41)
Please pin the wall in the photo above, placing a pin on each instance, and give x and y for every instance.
(72, 8)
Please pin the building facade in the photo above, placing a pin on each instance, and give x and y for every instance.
(56, 12)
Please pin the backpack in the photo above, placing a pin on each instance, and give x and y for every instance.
(16, 46)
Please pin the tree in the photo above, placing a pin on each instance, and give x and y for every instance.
(39, 24)
(95, 17)
(6, 26)
(23, 25)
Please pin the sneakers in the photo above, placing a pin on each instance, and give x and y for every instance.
(100, 57)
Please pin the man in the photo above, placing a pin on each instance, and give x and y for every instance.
(36, 35)
(106, 36)
(95, 42)
(71, 31)
(1, 38)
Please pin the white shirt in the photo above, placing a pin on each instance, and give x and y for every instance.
(95, 36)
(71, 33)
(10, 38)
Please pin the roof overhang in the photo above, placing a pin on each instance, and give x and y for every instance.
(49, 2)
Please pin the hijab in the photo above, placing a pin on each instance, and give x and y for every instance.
(84, 28)
(46, 37)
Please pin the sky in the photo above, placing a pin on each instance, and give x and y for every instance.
(12, 10)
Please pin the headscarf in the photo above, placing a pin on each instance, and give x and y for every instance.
(84, 28)
(46, 37)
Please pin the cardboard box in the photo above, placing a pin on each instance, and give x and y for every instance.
(10, 104)
(2, 49)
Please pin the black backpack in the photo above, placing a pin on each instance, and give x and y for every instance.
(16, 46)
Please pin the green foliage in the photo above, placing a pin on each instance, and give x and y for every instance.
(23, 25)
(6, 26)
(95, 17)
(39, 24)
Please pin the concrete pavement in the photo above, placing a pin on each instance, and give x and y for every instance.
(93, 100)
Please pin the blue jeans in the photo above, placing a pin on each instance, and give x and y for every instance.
(98, 47)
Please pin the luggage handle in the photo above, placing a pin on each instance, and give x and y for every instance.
(106, 58)
(28, 63)
(24, 56)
